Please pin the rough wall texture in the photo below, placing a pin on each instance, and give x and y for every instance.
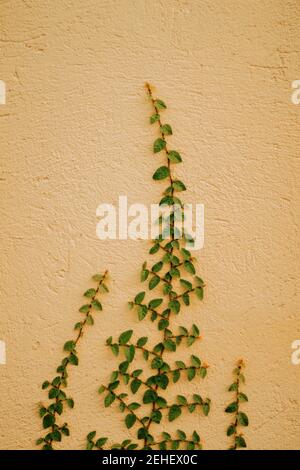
(75, 133)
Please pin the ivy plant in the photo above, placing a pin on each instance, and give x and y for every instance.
(170, 281)
(57, 386)
(240, 419)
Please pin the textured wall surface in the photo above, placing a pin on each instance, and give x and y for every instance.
(75, 133)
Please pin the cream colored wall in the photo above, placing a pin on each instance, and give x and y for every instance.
(75, 133)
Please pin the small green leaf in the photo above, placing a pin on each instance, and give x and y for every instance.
(174, 156)
(84, 309)
(150, 396)
(174, 306)
(169, 345)
(161, 173)
(182, 400)
(159, 145)
(115, 349)
(142, 312)
(162, 324)
(232, 408)
(242, 419)
(142, 341)
(240, 442)
(189, 267)
(48, 421)
(181, 434)
(130, 420)
(191, 372)
(144, 275)
(109, 399)
(159, 104)
(195, 330)
(139, 297)
(69, 346)
(233, 387)
(97, 277)
(195, 437)
(154, 249)
(100, 442)
(154, 118)
(70, 402)
(157, 267)
(195, 361)
(125, 337)
(101, 389)
(203, 372)
(73, 359)
(231, 430)
(153, 282)
(90, 293)
(96, 304)
(166, 129)
(45, 384)
(199, 292)
(179, 186)
(242, 397)
(156, 416)
(186, 284)
(130, 353)
(174, 412)
(89, 320)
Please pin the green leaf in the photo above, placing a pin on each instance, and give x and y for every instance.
(197, 399)
(100, 442)
(191, 372)
(176, 376)
(242, 419)
(240, 442)
(206, 408)
(186, 284)
(56, 436)
(159, 145)
(153, 282)
(242, 397)
(162, 381)
(195, 361)
(161, 173)
(179, 186)
(157, 267)
(203, 372)
(70, 402)
(156, 416)
(189, 267)
(199, 292)
(144, 274)
(155, 117)
(142, 341)
(162, 324)
(130, 353)
(232, 408)
(101, 389)
(135, 385)
(181, 434)
(154, 249)
(134, 406)
(73, 359)
(195, 330)
(90, 293)
(155, 303)
(96, 304)
(69, 346)
(115, 349)
(174, 306)
(84, 309)
(130, 420)
(174, 156)
(125, 337)
(139, 297)
(109, 399)
(89, 320)
(150, 396)
(142, 312)
(233, 387)
(48, 421)
(53, 393)
(169, 345)
(45, 384)
(159, 104)
(161, 402)
(182, 400)
(195, 437)
(91, 435)
(97, 277)
(174, 412)
(231, 430)
(166, 129)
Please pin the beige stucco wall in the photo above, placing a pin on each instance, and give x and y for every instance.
(75, 133)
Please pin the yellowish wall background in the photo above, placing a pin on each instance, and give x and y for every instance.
(75, 133)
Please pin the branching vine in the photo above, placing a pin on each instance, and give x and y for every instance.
(168, 274)
(56, 386)
(240, 418)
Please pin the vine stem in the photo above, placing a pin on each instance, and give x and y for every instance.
(172, 236)
(80, 334)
